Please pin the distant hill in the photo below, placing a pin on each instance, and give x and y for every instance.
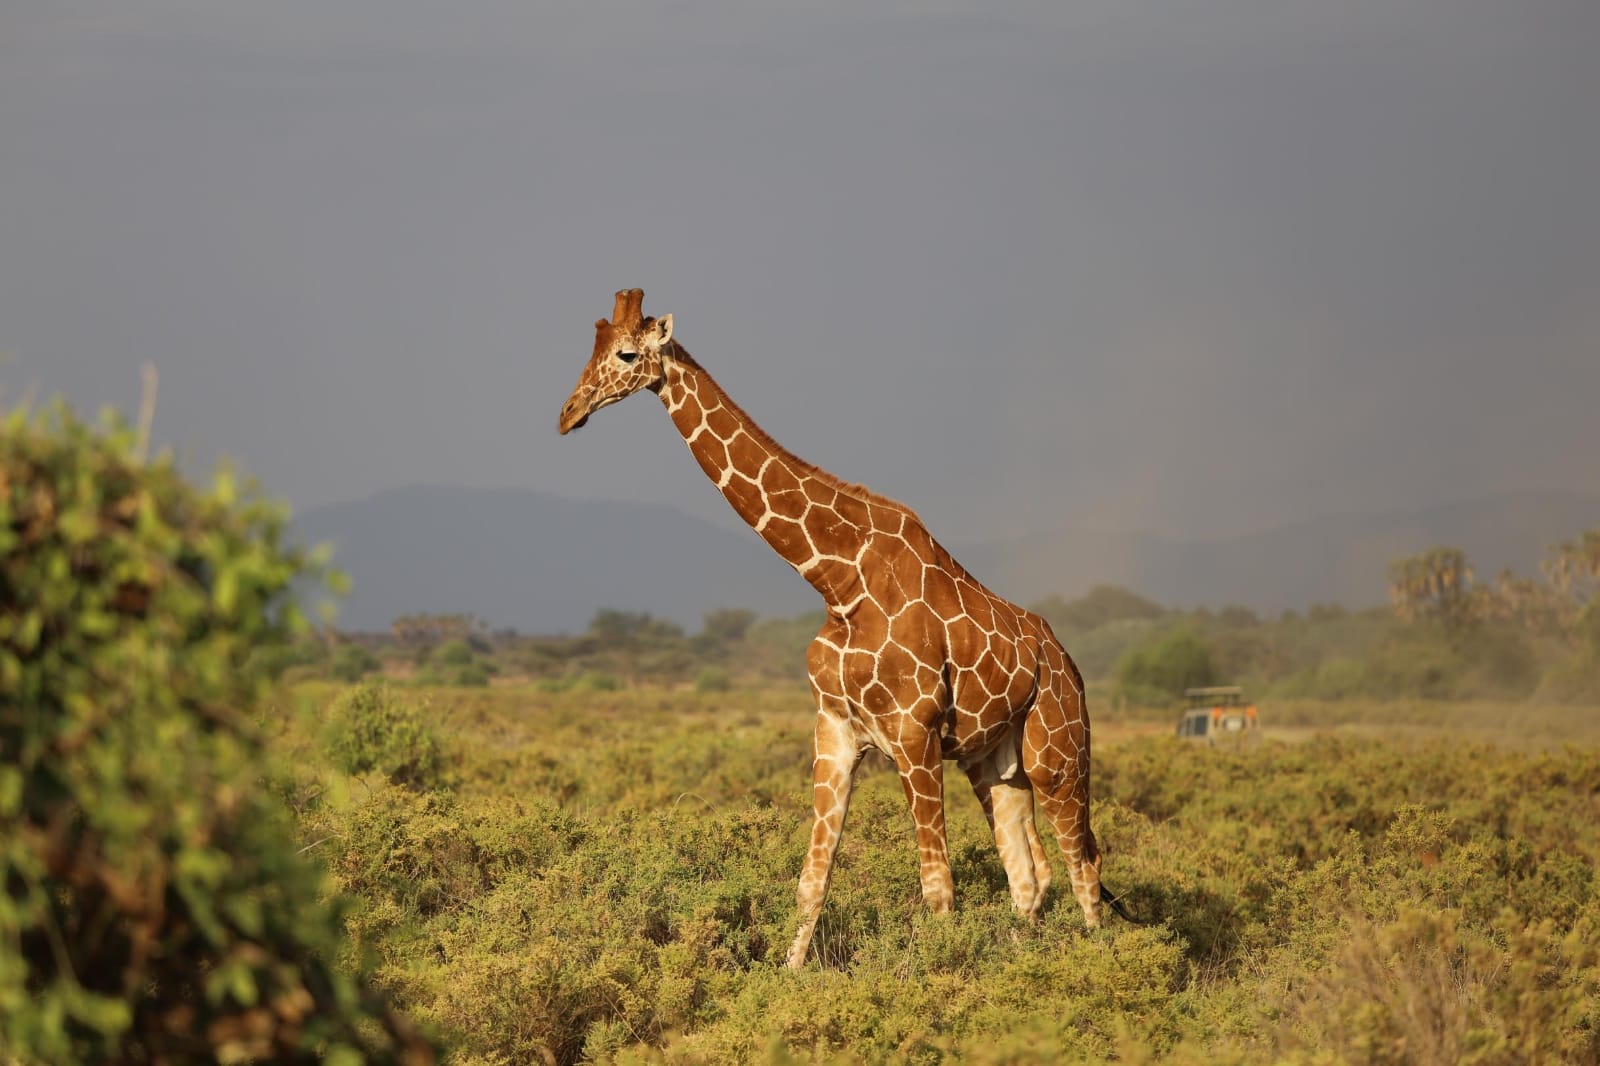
(544, 563)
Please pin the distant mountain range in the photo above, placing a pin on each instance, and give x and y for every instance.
(1339, 558)
(544, 563)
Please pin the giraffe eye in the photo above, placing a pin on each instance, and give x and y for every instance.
(627, 356)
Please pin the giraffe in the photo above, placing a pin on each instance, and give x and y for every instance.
(916, 659)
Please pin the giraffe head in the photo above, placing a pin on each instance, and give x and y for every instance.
(627, 357)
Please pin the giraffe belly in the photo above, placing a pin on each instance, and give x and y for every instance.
(988, 704)
(1006, 752)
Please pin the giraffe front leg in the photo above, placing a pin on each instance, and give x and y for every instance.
(922, 776)
(832, 772)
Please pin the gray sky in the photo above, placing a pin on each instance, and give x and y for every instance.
(1185, 267)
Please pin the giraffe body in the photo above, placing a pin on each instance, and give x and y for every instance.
(917, 659)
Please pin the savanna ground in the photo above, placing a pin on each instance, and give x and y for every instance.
(564, 876)
(208, 854)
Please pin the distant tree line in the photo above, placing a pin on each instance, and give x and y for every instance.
(1440, 584)
(1444, 635)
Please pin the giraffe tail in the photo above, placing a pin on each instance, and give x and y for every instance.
(1112, 900)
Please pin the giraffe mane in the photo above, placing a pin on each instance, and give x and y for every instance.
(853, 489)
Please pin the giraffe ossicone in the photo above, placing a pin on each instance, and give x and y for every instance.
(917, 659)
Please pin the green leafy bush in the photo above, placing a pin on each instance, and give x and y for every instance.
(598, 681)
(370, 728)
(1576, 678)
(1424, 660)
(456, 662)
(1161, 669)
(352, 662)
(152, 904)
(453, 653)
(471, 675)
(724, 628)
(712, 679)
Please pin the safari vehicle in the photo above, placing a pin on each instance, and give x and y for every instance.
(1219, 715)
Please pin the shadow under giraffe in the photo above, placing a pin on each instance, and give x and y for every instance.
(916, 659)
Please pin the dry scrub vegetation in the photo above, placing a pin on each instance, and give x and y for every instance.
(608, 876)
(199, 864)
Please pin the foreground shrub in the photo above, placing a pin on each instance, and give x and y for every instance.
(543, 933)
(153, 906)
(370, 728)
(1422, 989)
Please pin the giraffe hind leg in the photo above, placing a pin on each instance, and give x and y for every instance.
(1008, 804)
(1010, 770)
(1055, 756)
(1041, 863)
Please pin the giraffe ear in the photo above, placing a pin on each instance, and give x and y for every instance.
(663, 330)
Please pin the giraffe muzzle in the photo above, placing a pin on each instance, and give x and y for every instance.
(577, 411)
(574, 413)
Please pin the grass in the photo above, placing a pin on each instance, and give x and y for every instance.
(1516, 724)
(609, 876)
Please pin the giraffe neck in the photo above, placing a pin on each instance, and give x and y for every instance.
(818, 523)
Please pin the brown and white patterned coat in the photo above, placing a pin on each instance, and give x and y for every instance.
(916, 659)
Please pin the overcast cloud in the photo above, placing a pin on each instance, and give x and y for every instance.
(1190, 268)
